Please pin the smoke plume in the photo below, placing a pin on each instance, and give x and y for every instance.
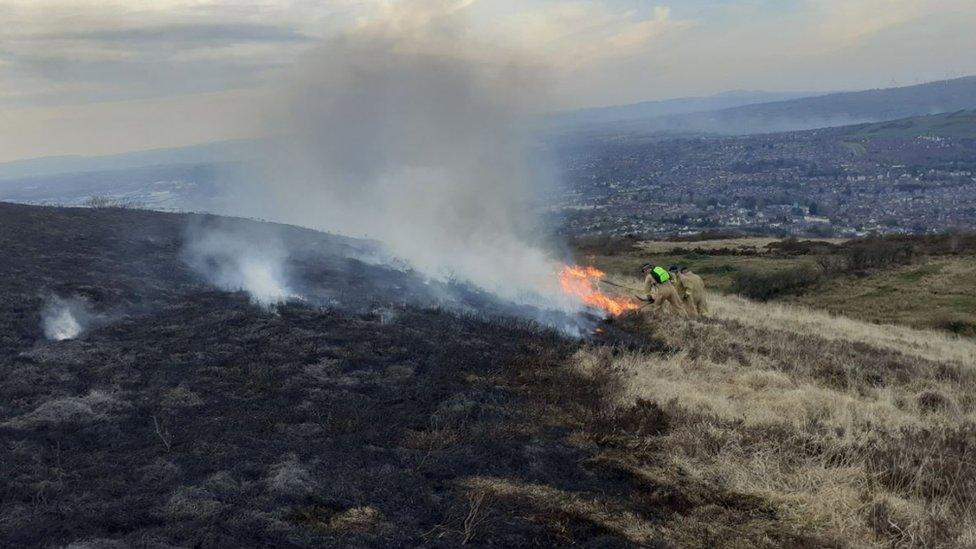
(406, 132)
(238, 257)
(63, 319)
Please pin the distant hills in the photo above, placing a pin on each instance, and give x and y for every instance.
(218, 151)
(830, 110)
(682, 105)
(175, 186)
(182, 178)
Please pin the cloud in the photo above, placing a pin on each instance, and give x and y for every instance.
(74, 52)
(577, 34)
(183, 34)
(80, 52)
(123, 50)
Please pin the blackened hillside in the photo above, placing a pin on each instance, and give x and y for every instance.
(190, 417)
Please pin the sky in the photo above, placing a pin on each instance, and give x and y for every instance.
(100, 77)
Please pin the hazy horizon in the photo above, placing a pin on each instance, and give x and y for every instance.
(172, 73)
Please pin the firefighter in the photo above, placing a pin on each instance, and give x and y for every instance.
(659, 289)
(691, 288)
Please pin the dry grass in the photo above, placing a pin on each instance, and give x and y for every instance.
(927, 344)
(790, 318)
(752, 242)
(936, 291)
(846, 429)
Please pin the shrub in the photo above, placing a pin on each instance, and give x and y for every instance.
(764, 285)
(795, 246)
(957, 324)
(874, 253)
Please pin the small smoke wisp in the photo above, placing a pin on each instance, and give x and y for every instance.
(406, 131)
(240, 258)
(63, 319)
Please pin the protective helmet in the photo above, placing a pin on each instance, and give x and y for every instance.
(646, 267)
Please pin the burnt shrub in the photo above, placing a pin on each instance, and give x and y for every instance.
(929, 463)
(765, 285)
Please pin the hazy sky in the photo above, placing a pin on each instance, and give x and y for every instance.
(96, 77)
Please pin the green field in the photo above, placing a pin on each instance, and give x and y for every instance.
(939, 292)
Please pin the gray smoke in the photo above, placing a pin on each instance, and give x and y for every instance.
(66, 318)
(239, 257)
(398, 132)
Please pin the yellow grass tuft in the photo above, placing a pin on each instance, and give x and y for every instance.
(850, 429)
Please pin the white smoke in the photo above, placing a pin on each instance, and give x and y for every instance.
(237, 258)
(63, 319)
(407, 132)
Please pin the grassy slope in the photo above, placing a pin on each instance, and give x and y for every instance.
(718, 270)
(202, 420)
(852, 433)
(939, 294)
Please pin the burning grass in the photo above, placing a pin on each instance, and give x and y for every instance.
(583, 284)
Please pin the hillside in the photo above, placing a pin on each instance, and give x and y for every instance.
(164, 187)
(960, 124)
(204, 153)
(369, 414)
(933, 287)
(834, 109)
(682, 105)
(189, 416)
(815, 423)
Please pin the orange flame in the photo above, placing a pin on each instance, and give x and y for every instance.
(582, 282)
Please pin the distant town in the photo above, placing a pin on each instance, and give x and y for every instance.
(827, 182)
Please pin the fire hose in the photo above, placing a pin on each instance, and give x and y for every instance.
(619, 285)
(645, 301)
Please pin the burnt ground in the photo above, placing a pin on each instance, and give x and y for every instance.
(190, 417)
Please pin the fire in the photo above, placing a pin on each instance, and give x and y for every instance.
(582, 282)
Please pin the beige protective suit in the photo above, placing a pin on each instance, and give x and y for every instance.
(661, 294)
(691, 288)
